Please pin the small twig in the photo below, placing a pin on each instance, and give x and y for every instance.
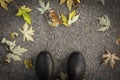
(15, 4)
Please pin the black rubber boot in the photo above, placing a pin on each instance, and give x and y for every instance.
(76, 66)
(44, 66)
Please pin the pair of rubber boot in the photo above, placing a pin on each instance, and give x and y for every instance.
(44, 66)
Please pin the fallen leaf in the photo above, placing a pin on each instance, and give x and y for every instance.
(8, 42)
(64, 19)
(24, 11)
(105, 23)
(14, 52)
(72, 14)
(103, 2)
(118, 41)
(62, 1)
(63, 76)
(3, 3)
(18, 50)
(72, 18)
(70, 3)
(28, 63)
(12, 56)
(27, 32)
(103, 29)
(110, 58)
(78, 1)
(54, 19)
(13, 34)
(43, 8)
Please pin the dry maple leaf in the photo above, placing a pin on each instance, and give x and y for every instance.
(54, 19)
(70, 3)
(110, 58)
(14, 52)
(105, 23)
(43, 7)
(3, 3)
(118, 41)
(27, 33)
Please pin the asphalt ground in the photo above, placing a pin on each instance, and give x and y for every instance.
(61, 41)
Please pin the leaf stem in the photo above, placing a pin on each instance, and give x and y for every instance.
(15, 4)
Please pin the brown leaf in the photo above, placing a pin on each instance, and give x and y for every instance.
(118, 41)
(110, 58)
(55, 19)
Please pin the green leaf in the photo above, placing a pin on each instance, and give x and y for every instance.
(24, 11)
(13, 34)
(27, 18)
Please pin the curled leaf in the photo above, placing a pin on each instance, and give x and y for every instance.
(54, 19)
(70, 3)
(105, 23)
(72, 18)
(13, 34)
(8, 42)
(28, 63)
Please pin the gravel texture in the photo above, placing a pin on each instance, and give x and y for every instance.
(61, 41)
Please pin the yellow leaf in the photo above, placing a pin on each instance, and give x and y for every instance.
(62, 1)
(64, 19)
(28, 63)
(13, 34)
(78, 1)
(72, 14)
(3, 3)
(24, 11)
(69, 4)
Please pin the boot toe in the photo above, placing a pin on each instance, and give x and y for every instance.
(44, 66)
(76, 66)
